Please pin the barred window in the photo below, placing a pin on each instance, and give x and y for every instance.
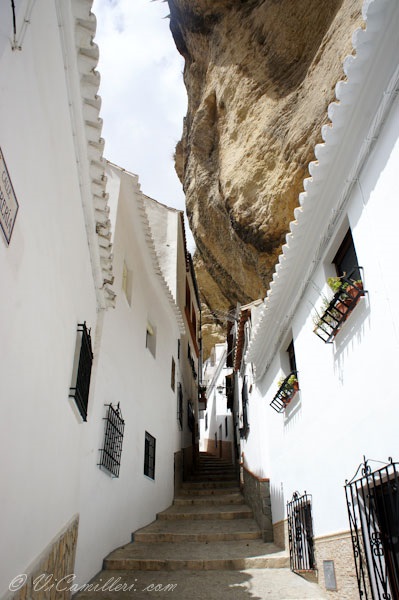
(149, 455)
(110, 457)
(180, 405)
(82, 370)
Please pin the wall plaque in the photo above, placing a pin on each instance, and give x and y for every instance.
(8, 201)
(329, 575)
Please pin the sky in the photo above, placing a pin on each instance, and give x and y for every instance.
(143, 95)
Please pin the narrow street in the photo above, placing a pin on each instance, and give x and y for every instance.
(207, 545)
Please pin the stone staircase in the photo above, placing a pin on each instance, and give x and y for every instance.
(206, 546)
(209, 526)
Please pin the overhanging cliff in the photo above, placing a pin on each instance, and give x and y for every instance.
(259, 76)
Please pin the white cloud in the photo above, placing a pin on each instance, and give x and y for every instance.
(143, 94)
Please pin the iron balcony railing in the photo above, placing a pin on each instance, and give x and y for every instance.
(372, 499)
(286, 392)
(110, 454)
(328, 324)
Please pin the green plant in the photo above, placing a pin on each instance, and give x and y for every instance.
(290, 381)
(337, 284)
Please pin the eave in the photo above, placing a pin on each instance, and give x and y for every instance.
(362, 103)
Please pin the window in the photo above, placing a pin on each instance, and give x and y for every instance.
(82, 370)
(291, 356)
(127, 282)
(149, 455)
(180, 405)
(244, 400)
(194, 320)
(190, 417)
(345, 260)
(188, 295)
(173, 374)
(110, 457)
(226, 427)
(151, 339)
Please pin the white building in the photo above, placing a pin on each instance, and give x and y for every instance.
(347, 404)
(91, 334)
(136, 373)
(216, 426)
(55, 266)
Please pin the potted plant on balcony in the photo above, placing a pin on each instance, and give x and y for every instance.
(288, 387)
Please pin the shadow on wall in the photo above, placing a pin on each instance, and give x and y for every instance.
(278, 502)
(352, 330)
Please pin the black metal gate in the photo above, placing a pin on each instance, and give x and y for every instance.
(300, 532)
(373, 507)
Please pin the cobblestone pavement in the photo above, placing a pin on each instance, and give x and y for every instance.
(251, 584)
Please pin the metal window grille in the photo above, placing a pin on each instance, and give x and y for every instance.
(373, 508)
(285, 393)
(173, 374)
(110, 454)
(338, 310)
(244, 397)
(300, 533)
(180, 405)
(80, 391)
(190, 417)
(149, 455)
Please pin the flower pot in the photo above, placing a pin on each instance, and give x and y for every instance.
(354, 290)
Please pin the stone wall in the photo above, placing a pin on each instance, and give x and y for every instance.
(257, 496)
(338, 548)
(57, 561)
(280, 534)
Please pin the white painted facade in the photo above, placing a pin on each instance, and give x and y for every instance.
(216, 426)
(52, 275)
(57, 271)
(129, 374)
(347, 406)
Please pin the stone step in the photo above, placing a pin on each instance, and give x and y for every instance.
(227, 555)
(214, 470)
(198, 531)
(212, 464)
(212, 499)
(212, 477)
(229, 484)
(205, 513)
(195, 492)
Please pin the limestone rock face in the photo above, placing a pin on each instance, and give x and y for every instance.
(259, 76)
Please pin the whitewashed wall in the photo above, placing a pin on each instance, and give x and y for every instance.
(347, 406)
(215, 372)
(127, 373)
(46, 289)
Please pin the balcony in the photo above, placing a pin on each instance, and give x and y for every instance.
(347, 293)
(289, 387)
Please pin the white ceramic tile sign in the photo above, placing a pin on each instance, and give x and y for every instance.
(8, 202)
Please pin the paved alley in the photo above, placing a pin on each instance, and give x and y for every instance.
(207, 545)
